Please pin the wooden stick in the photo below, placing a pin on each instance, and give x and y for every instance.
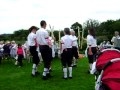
(78, 38)
(82, 38)
(59, 37)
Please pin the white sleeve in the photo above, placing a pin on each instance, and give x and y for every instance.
(46, 34)
(37, 36)
(112, 40)
(89, 40)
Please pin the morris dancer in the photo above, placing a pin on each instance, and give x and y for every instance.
(74, 48)
(66, 53)
(43, 41)
(32, 43)
(92, 47)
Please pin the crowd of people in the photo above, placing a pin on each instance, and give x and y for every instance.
(40, 46)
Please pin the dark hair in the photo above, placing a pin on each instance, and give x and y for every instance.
(19, 45)
(92, 32)
(33, 27)
(42, 23)
(67, 31)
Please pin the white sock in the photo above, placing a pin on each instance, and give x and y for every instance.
(16, 63)
(74, 61)
(45, 71)
(90, 66)
(65, 72)
(70, 71)
(36, 70)
(33, 69)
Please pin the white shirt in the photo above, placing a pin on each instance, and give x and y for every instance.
(31, 39)
(66, 42)
(42, 36)
(1, 47)
(91, 41)
(113, 38)
(74, 38)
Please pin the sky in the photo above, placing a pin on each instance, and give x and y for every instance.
(21, 14)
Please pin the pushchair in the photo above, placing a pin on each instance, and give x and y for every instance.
(108, 67)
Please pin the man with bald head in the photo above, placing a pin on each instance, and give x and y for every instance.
(74, 48)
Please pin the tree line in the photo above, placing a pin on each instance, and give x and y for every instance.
(104, 30)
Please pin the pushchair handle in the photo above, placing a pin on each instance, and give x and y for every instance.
(110, 62)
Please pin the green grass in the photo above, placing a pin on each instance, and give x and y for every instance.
(14, 78)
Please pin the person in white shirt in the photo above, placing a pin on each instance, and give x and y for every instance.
(116, 40)
(74, 48)
(66, 53)
(32, 43)
(92, 47)
(43, 41)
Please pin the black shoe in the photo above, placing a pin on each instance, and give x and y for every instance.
(37, 73)
(88, 71)
(44, 78)
(70, 77)
(50, 70)
(65, 78)
(49, 75)
(74, 66)
(33, 75)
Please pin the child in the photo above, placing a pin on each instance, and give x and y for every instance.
(20, 53)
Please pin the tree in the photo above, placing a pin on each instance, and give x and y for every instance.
(90, 24)
(75, 27)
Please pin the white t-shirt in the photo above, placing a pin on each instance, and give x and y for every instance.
(42, 36)
(31, 39)
(66, 42)
(113, 38)
(74, 38)
(91, 41)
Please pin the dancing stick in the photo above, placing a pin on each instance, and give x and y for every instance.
(82, 38)
(52, 28)
(78, 38)
(59, 37)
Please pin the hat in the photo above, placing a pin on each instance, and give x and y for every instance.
(13, 41)
(33, 27)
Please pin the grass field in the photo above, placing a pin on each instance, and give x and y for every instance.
(15, 78)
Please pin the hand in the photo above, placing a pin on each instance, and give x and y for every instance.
(90, 53)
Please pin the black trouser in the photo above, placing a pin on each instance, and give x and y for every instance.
(46, 55)
(51, 56)
(20, 57)
(75, 52)
(66, 57)
(92, 58)
(34, 54)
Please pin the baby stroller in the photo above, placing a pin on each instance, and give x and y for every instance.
(108, 66)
